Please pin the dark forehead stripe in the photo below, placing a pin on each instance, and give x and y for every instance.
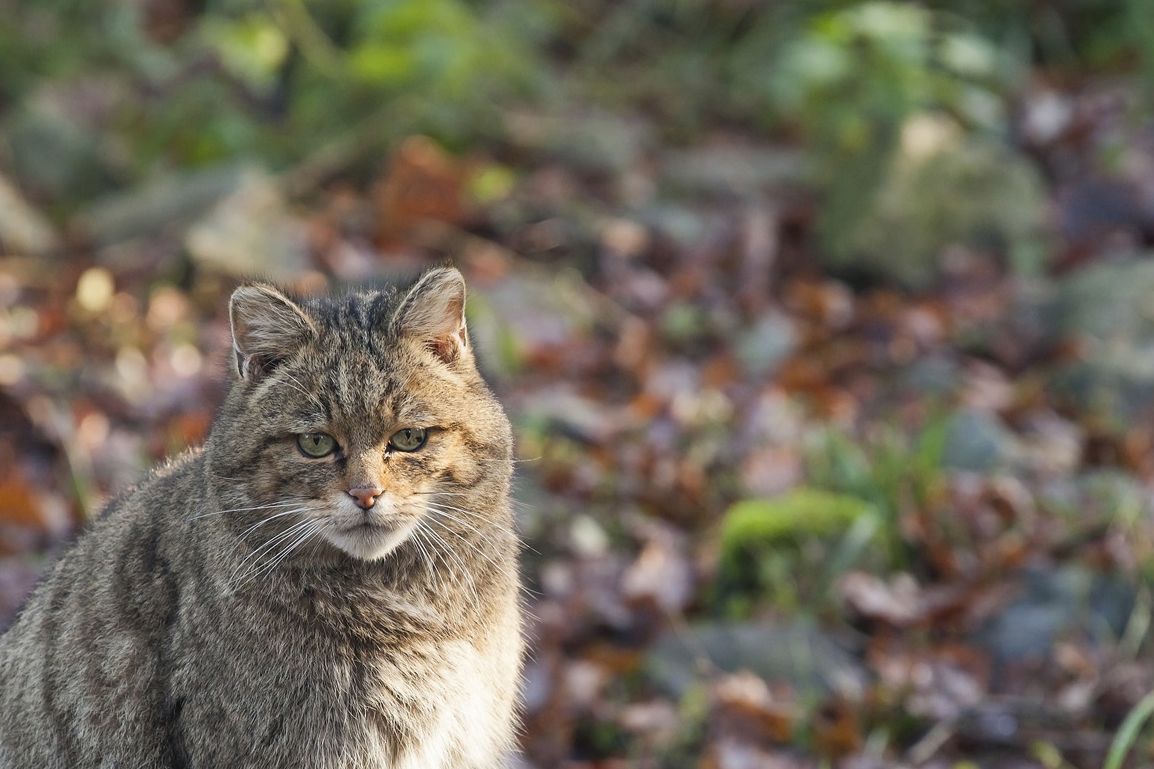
(352, 364)
(358, 319)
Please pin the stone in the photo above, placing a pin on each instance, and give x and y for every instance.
(251, 232)
(977, 441)
(797, 652)
(1055, 602)
(1106, 313)
(168, 204)
(766, 344)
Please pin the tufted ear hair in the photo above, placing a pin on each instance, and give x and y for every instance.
(267, 327)
(433, 312)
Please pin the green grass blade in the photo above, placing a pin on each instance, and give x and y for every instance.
(1127, 735)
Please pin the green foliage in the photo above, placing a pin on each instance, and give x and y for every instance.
(892, 471)
(790, 549)
(1130, 732)
(280, 80)
(852, 81)
(268, 81)
(755, 523)
(854, 75)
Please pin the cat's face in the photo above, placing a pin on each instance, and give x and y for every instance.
(360, 421)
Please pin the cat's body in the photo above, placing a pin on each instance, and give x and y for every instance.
(174, 633)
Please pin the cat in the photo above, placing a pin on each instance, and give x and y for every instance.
(330, 582)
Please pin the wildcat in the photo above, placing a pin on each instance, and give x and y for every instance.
(330, 582)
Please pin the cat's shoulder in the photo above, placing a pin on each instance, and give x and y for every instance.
(173, 478)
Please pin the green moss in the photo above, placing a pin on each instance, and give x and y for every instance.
(754, 523)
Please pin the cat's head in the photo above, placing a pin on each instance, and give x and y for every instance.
(359, 420)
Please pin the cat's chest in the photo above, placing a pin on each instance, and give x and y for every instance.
(437, 707)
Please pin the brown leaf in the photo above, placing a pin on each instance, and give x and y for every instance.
(897, 602)
(424, 183)
(661, 576)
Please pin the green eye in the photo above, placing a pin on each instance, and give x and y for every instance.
(316, 445)
(408, 439)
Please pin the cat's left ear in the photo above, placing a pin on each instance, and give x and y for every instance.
(267, 328)
(433, 312)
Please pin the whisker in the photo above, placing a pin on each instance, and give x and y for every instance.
(498, 566)
(260, 523)
(451, 517)
(255, 555)
(300, 540)
(510, 461)
(465, 571)
(480, 518)
(513, 501)
(300, 535)
(243, 509)
(427, 563)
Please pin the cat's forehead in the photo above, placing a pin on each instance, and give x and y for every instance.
(356, 319)
(360, 374)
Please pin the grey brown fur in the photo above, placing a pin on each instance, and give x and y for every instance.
(174, 635)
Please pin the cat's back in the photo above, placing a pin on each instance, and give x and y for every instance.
(94, 631)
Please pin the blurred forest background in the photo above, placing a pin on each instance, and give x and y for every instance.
(827, 330)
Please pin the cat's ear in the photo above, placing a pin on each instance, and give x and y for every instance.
(433, 312)
(267, 327)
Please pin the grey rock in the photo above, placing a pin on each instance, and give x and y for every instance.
(933, 375)
(23, 229)
(51, 152)
(530, 311)
(1107, 304)
(1107, 313)
(590, 141)
(734, 169)
(765, 345)
(797, 652)
(1057, 602)
(972, 194)
(977, 441)
(251, 233)
(168, 204)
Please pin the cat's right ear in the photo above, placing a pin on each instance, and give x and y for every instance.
(267, 327)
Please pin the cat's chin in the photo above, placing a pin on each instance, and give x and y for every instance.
(368, 542)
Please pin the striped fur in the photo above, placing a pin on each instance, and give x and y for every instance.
(224, 613)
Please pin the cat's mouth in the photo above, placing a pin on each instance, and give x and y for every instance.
(371, 537)
(371, 524)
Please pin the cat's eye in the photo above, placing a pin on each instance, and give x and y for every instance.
(316, 445)
(409, 439)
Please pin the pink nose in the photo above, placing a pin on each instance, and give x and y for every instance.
(365, 496)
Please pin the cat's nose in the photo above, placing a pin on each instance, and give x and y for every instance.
(365, 496)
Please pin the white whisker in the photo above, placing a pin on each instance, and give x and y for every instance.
(298, 535)
(300, 540)
(448, 551)
(245, 509)
(498, 566)
(260, 523)
(255, 555)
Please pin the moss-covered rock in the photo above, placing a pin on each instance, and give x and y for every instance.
(754, 523)
(970, 193)
(1106, 313)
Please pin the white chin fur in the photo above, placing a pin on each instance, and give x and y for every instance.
(370, 544)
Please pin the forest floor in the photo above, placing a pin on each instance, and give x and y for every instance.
(778, 513)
